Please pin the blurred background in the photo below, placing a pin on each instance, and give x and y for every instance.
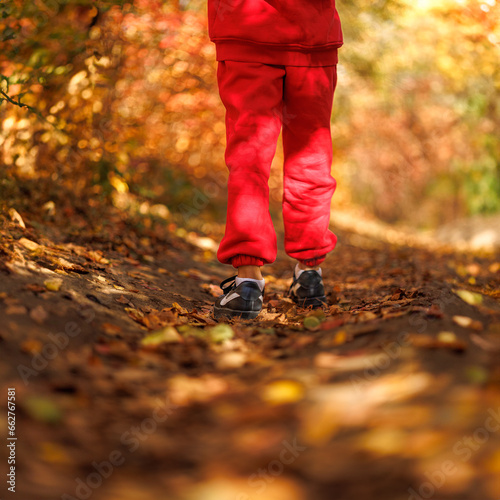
(117, 106)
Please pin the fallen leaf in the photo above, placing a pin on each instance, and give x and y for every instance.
(213, 290)
(471, 298)
(311, 323)
(204, 319)
(31, 346)
(397, 294)
(111, 329)
(96, 256)
(229, 360)
(434, 312)
(70, 266)
(283, 391)
(367, 316)
(179, 308)
(185, 297)
(220, 333)
(447, 337)
(16, 217)
(494, 268)
(384, 442)
(42, 409)
(184, 390)
(30, 245)
(195, 274)
(164, 336)
(467, 322)
(135, 314)
(192, 331)
(53, 284)
(340, 338)
(122, 299)
(476, 374)
(325, 360)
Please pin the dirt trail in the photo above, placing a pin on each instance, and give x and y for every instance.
(126, 388)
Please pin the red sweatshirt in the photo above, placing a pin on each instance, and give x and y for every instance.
(283, 32)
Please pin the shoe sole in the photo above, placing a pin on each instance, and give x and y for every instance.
(220, 313)
(311, 301)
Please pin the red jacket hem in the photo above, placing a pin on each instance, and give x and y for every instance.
(247, 51)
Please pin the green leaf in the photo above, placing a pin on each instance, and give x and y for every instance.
(476, 374)
(191, 331)
(42, 409)
(220, 333)
(312, 322)
(267, 331)
(164, 336)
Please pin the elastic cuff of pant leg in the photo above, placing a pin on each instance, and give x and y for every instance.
(313, 262)
(246, 260)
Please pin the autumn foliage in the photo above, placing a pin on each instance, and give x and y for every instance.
(117, 102)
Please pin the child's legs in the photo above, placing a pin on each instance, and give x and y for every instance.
(252, 94)
(307, 145)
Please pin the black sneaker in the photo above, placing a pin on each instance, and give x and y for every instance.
(307, 290)
(242, 301)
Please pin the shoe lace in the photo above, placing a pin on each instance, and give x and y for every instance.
(228, 284)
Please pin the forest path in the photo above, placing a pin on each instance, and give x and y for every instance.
(126, 388)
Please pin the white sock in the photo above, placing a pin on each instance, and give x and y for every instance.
(299, 271)
(261, 283)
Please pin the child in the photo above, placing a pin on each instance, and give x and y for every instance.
(277, 69)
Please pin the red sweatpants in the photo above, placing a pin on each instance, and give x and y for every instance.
(260, 99)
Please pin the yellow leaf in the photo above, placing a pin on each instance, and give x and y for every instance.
(54, 284)
(30, 245)
(471, 298)
(282, 392)
(16, 217)
(340, 337)
(118, 183)
(447, 337)
(179, 308)
(384, 441)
